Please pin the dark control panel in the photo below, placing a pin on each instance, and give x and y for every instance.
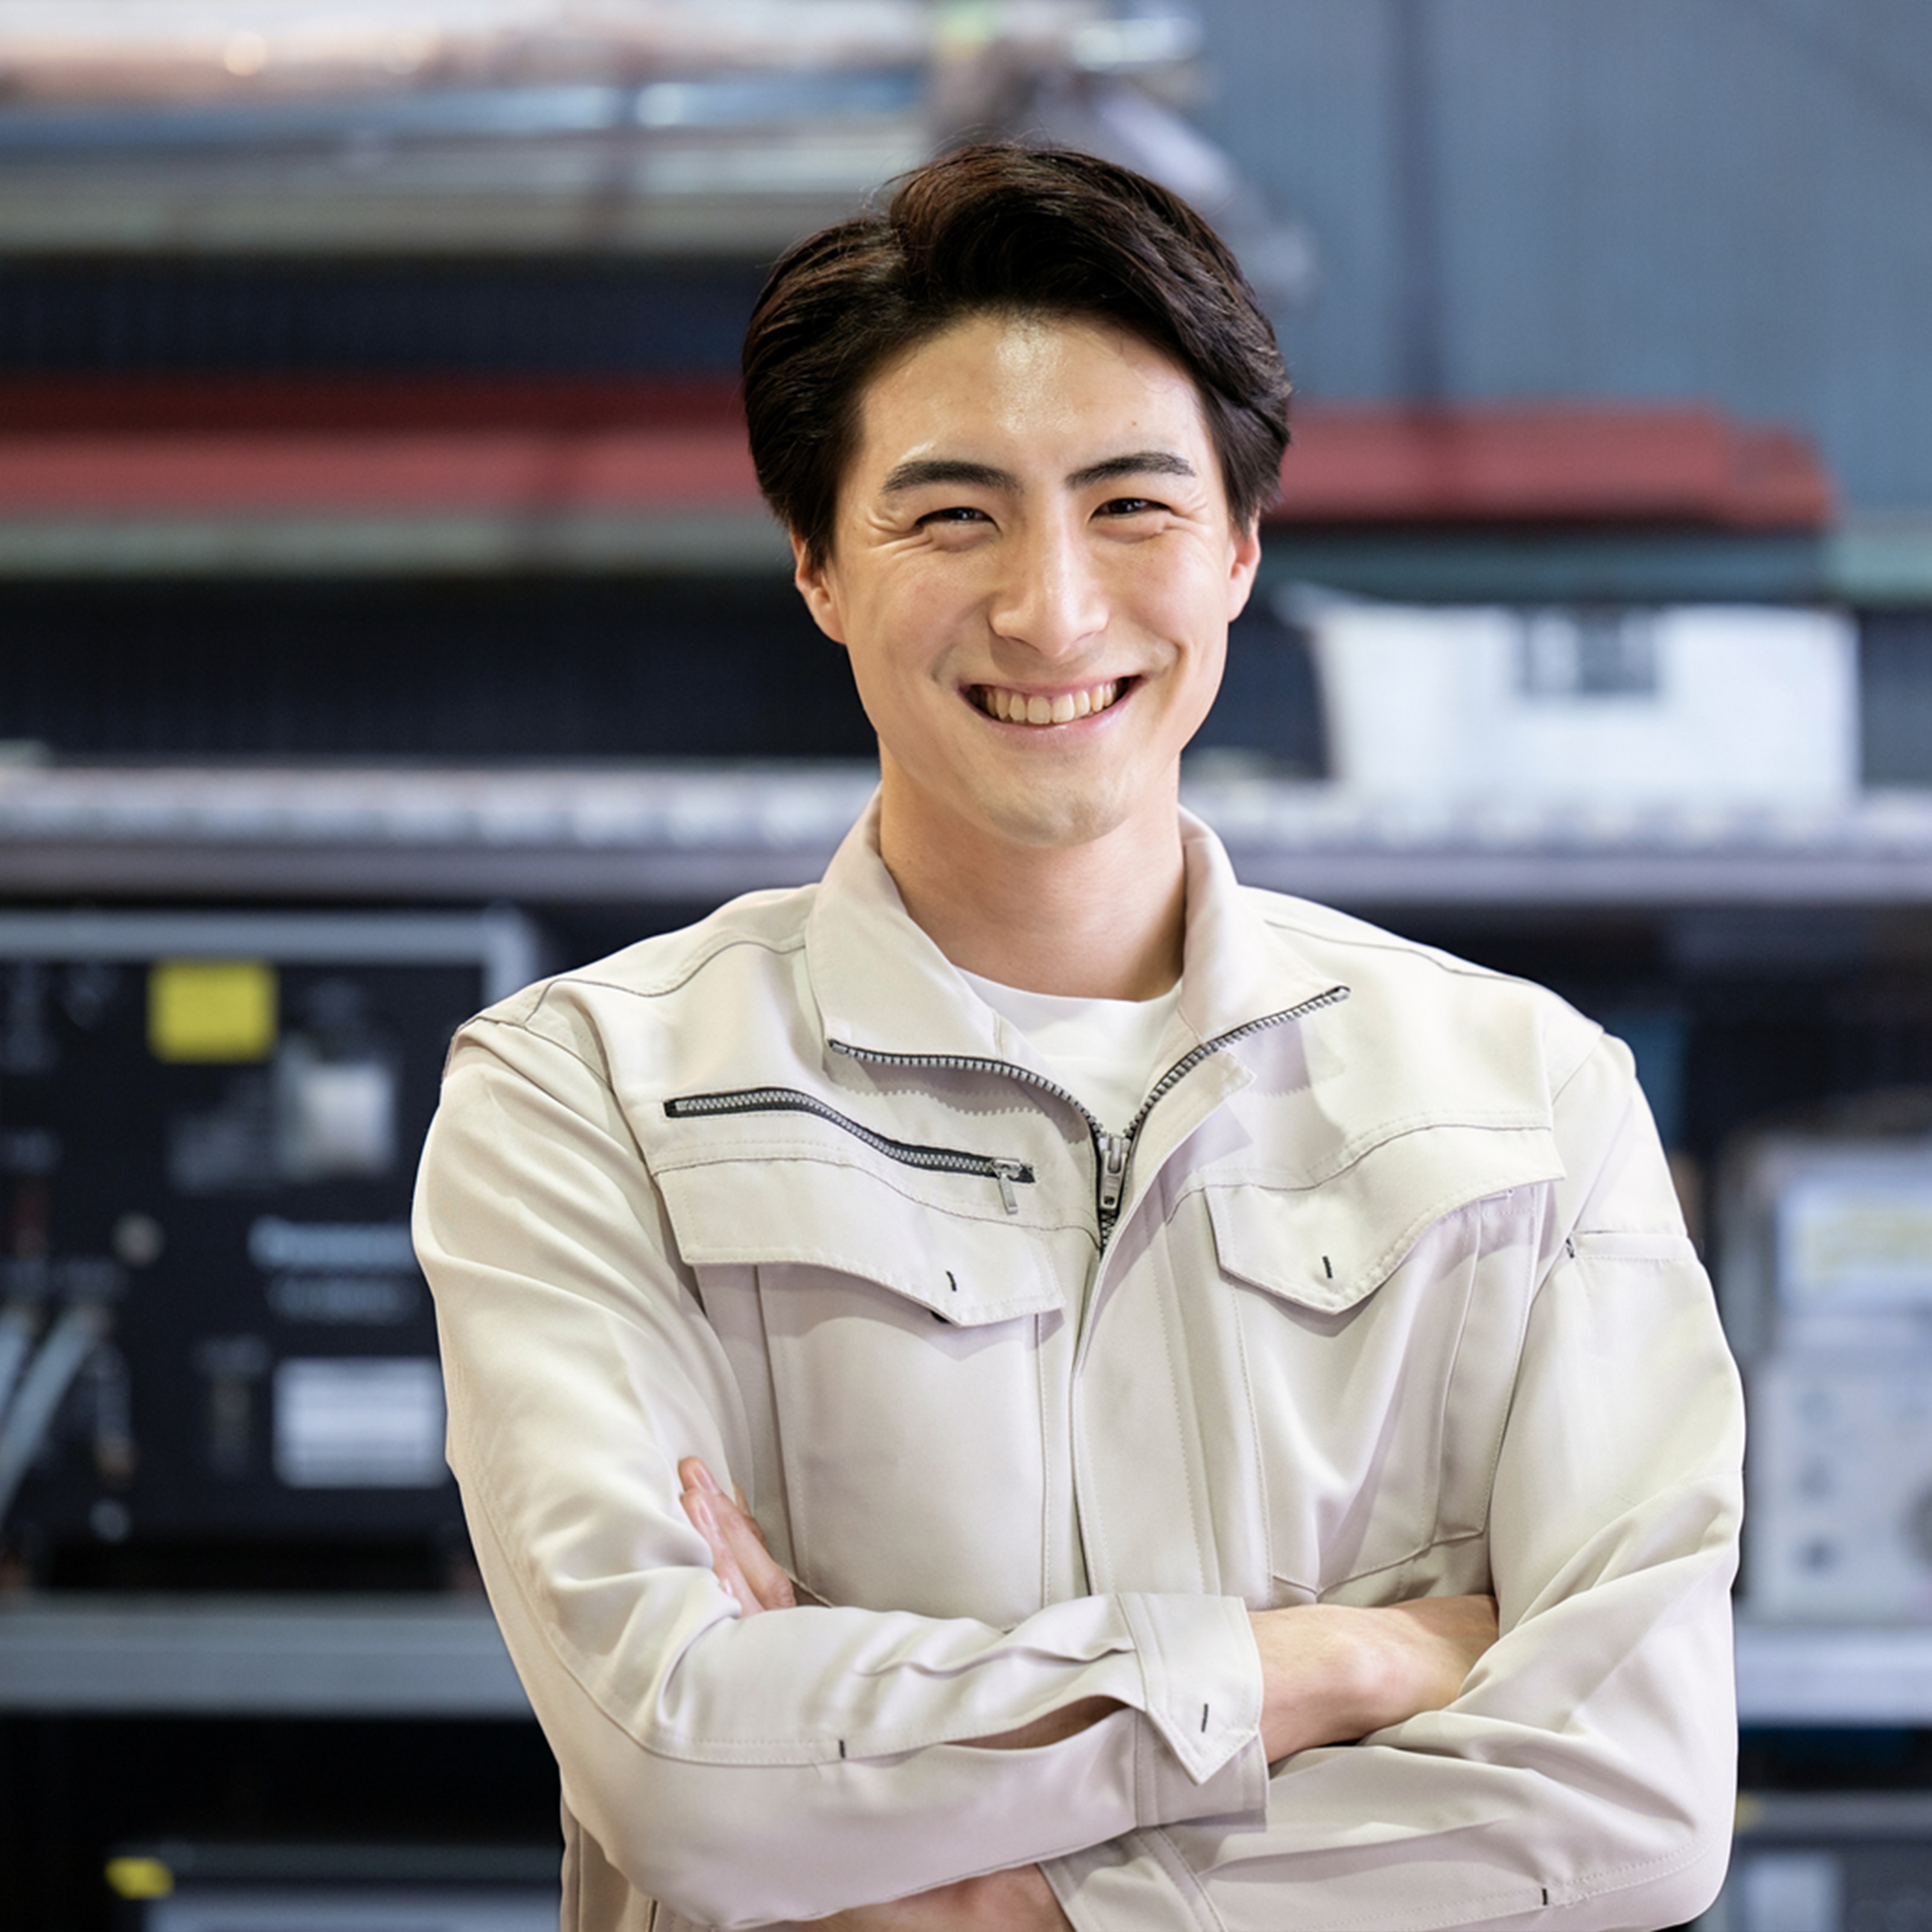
(213, 1331)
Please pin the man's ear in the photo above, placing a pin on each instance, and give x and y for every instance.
(1244, 562)
(816, 586)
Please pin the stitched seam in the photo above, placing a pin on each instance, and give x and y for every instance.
(797, 1493)
(754, 1152)
(602, 1074)
(630, 1138)
(1494, 1458)
(1193, 1893)
(1570, 1079)
(1472, 1262)
(1588, 1886)
(1527, 1898)
(728, 943)
(1046, 1469)
(1255, 1435)
(1683, 1246)
(1380, 1266)
(1166, 1302)
(1633, 1871)
(1281, 921)
(1319, 1591)
(1014, 1306)
(1399, 1250)
(1353, 1152)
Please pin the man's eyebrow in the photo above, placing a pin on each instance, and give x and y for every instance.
(925, 470)
(947, 470)
(1136, 462)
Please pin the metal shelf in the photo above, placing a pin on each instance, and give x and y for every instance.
(1868, 561)
(347, 1657)
(686, 834)
(1838, 1676)
(338, 544)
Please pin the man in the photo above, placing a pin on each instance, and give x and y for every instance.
(1162, 1331)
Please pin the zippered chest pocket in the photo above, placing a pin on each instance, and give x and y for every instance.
(890, 1350)
(1007, 1173)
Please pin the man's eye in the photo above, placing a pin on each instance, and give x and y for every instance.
(1129, 506)
(955, 513)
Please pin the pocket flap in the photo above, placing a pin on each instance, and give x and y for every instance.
(1329, 1246)
(772, 1213)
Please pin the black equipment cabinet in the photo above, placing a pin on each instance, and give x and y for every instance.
(213, 1336)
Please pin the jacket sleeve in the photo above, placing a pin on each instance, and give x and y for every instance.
(745, 1770)
(1584, 1777)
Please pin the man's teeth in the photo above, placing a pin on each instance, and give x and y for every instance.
(1014, 707)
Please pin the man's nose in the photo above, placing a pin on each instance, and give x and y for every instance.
(1051, 598)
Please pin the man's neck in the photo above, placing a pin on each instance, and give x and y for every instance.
(1100, 920)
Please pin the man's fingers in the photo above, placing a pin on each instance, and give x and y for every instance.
(694, 1473)
(699, 1506)
(738, 1557)
(769, 1584)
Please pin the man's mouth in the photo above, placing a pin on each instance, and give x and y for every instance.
(1016, 707)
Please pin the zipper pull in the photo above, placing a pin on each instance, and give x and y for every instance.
(1113, 1149)
(1005, 1172)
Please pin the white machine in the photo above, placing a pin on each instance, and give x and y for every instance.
(1826, 1277)
(1696, 708)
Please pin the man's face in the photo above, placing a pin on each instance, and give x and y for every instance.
(1033, 568)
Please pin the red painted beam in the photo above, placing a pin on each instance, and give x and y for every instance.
(1559, 463)
(424, 471)
(219, 445)
(157, 448)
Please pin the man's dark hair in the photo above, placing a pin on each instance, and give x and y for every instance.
(1002, 228)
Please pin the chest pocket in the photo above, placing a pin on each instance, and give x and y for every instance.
(904, 1345)
(1381, 1350)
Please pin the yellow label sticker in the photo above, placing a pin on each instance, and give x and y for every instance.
(211, 1009)
(140, 1878)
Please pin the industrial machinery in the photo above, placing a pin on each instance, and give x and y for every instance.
(213, 1336)
(1826, 1279)
(1827, 1861)
(170, 1886)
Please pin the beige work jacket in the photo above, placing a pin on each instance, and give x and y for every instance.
(1385, 1293)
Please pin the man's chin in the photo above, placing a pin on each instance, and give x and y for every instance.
(1045, 823)
(1041, 810)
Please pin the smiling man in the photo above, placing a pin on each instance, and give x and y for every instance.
(1027, 1384)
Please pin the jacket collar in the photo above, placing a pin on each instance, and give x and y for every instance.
(883, 986)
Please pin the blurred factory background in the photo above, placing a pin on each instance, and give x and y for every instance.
(387, 614)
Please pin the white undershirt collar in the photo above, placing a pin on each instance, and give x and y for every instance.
(1102, 1051)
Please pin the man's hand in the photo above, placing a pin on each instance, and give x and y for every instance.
(739, 1560)
(1331, 1674)
(1019, 1900)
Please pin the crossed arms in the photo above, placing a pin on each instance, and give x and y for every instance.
(1330, 1674)
(753, 1768)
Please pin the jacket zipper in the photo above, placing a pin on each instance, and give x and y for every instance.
(1112, 1152)
(790, 1100)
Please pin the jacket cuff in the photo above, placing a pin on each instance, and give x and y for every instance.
(1200, 1753)
(1134, 1884)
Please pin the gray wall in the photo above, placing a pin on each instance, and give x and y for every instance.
(1727, 199)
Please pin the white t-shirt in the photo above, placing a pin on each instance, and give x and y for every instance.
(1102, 1051)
